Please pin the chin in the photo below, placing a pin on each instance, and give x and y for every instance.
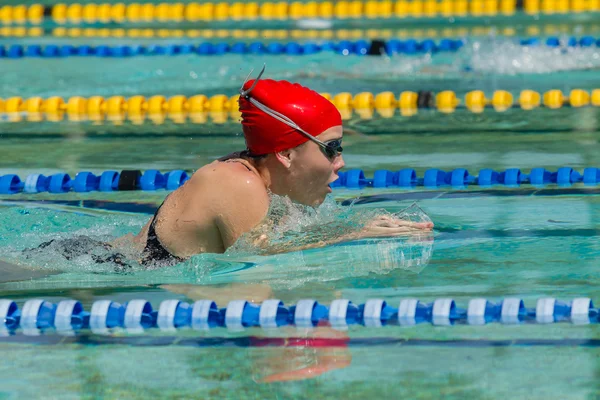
(312, 201)
(319, 201)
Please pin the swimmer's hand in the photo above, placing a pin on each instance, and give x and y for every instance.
(386, 225)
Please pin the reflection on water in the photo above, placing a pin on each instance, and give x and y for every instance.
(297, 358)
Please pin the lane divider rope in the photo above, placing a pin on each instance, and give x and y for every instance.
(221, 108)
(360, 47)
(460, 178)
(69, 315)
(296, 34)
(151, 180)
(92, 13)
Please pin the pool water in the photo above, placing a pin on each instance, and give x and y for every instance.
(490, 243)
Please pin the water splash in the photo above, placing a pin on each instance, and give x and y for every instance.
(510, 58)
(290, 226)
(75, 243)
(58, 239)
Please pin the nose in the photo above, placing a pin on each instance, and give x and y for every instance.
(338, 164)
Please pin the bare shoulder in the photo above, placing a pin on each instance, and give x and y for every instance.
(230, 178)
(233, 197)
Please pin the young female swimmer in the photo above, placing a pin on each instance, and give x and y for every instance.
(294, 148)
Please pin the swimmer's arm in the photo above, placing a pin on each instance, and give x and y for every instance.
(138, 242)
(253, 223)
(290, 247)
(305, 240)
(310, 237)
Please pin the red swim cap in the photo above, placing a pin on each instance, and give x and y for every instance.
(265, 134)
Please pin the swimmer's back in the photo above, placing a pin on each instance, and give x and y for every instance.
(207, 214)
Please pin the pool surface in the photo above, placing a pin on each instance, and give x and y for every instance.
(495, 243)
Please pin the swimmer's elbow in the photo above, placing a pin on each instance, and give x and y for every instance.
(232, 226)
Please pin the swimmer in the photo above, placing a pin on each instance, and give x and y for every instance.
(293, 148)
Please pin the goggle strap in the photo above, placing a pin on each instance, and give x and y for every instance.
(280, 117)
(245, 92)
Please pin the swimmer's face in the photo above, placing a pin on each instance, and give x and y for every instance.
(311, 171)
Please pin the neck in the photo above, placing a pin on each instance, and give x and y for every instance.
(264, 172)
(273, 175)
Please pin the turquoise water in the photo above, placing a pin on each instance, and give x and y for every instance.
(490, 244)
(484, 64)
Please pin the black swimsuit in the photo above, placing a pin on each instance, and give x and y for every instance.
(154, 250)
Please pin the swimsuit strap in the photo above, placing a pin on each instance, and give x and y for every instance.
(238, 161)
(235, 157)
(154, 250)
(153, 223)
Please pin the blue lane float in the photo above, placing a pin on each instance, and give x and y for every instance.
(70, 316)
(461, 178)
(344, 47)
(85, 181)
(150, 180)
(555, 41)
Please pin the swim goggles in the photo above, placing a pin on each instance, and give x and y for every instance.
(331, 148)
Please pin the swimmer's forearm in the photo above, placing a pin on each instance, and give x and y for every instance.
(291, 246)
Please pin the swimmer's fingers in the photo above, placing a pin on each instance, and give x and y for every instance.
(380, 231)
(387, 221)
(423, 225)
(418, 225)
